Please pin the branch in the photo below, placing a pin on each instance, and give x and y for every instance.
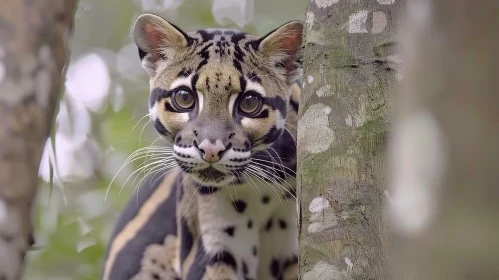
(33, 50)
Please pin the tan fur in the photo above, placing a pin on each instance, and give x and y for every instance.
(219, 272)
(291, 272)
(158, 260)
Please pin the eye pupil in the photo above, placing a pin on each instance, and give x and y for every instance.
(184, 99)
(250, 104)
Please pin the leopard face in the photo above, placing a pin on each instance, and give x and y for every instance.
(217, 95)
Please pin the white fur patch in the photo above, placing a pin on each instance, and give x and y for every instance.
(153, 112)
(250, 85)
(232, 100)
(200, 99)
(184, 81)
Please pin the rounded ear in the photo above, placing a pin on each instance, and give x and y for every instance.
(156, 38)
(283, 44)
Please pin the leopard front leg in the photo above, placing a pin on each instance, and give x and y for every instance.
(279, 244)
(226, 246)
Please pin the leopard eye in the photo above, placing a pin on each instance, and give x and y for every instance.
(184, 99)
(250, 104)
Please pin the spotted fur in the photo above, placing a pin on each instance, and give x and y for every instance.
(227, 103)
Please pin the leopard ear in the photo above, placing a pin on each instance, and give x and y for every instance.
(282, 46)
(157, 39)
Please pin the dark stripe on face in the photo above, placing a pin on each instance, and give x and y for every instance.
(272, 135)
(238, 53)
(160, 128)
(202, 260)
(237, 65)
(157, 94)
(194, 113)
(276, 103)
(294, 105)
(263, 114)
(169, 108)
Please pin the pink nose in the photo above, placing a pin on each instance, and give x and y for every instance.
(211, 152)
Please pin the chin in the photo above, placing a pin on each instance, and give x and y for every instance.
(211, 177)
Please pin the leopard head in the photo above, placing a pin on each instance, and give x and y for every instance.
(217, 96)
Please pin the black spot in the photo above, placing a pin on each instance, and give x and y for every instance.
(208, 84)
(247, 145)
(268, 225)
(178, 138)
(283, 224)
(230, 230)
(250, 224)
(206, 36)
(205, 190)
(237, 37)
(265, 199)
(274, 268)
(245, 268)
(155, 276)
(239, 205)
(255, 250)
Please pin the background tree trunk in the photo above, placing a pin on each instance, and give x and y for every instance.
(33, 49)
(349, 63)
(445, 148)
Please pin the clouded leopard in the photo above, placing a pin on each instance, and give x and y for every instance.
(226, 103)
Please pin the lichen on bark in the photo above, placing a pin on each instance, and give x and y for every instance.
(346, 70)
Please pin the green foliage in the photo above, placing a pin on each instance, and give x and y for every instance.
(74, 221)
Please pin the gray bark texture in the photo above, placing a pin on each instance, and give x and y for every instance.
(33, 50)
(445, 152)
(350, 71)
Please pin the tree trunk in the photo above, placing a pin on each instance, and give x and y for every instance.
(445, 144)
(349, 62)
(33, 50)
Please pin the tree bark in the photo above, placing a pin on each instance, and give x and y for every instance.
(445, 151)
(350, 70)
(33, 50)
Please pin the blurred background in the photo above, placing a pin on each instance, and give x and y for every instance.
(102, 119)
